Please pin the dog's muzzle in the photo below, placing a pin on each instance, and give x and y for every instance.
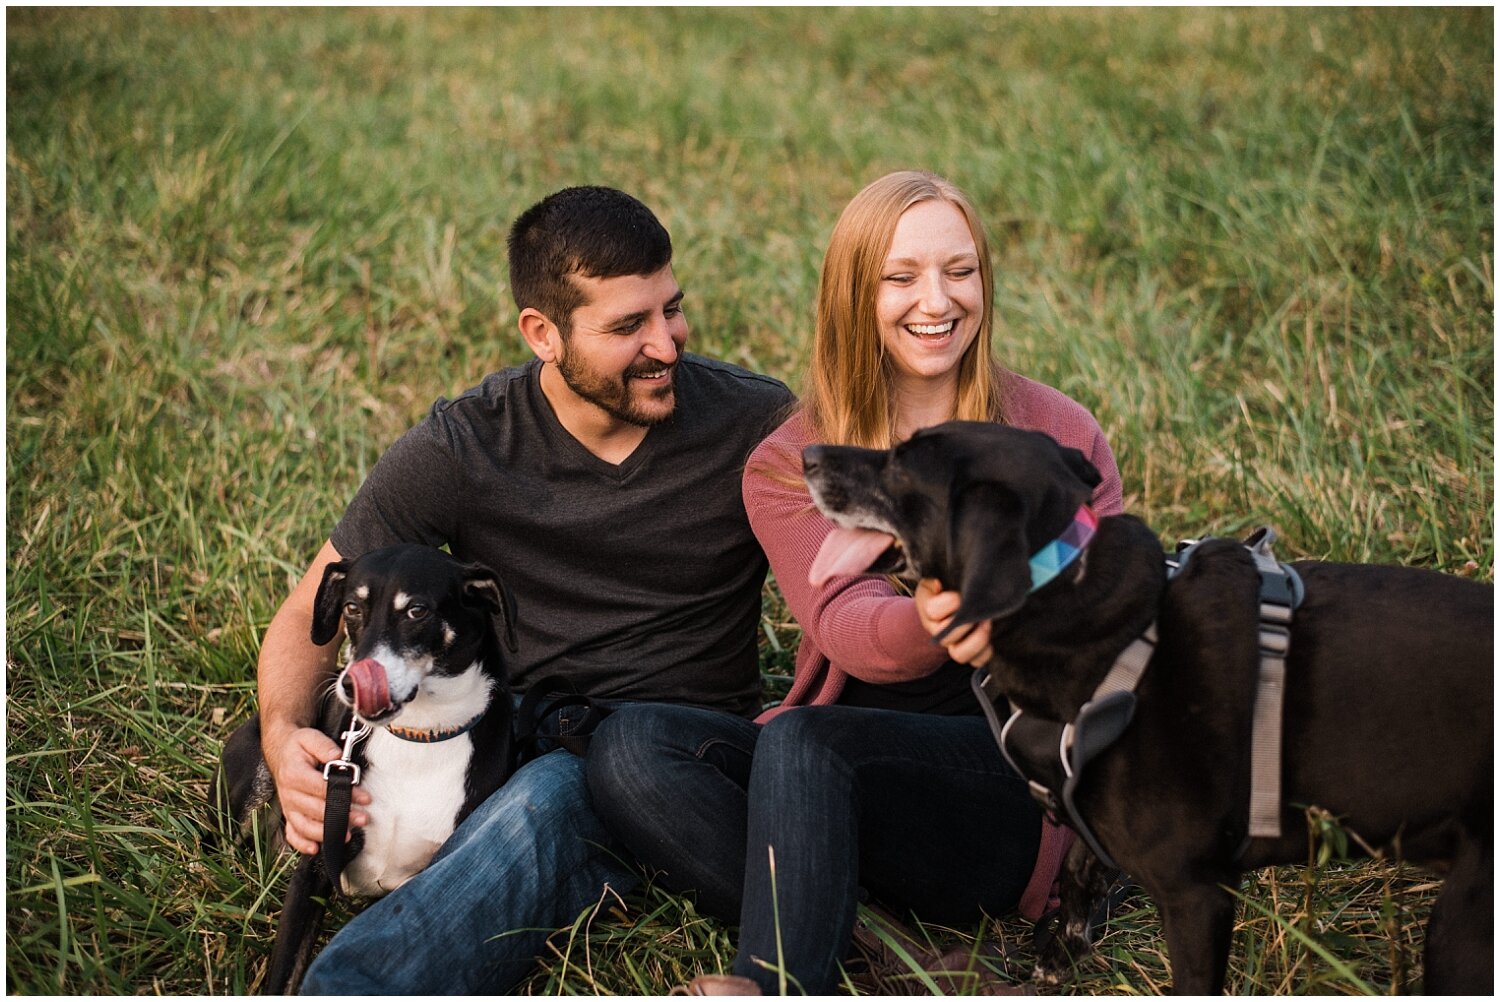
(365, 685)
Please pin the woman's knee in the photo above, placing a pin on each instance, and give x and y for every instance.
(832, 729)
(808, 744)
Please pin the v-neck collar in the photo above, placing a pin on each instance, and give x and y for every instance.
(577, 451)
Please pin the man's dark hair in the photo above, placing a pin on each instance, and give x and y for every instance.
(591, 231)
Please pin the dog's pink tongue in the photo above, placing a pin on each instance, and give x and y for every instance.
(372, 694)
(847, 551)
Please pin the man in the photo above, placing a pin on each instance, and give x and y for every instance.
(601, 480)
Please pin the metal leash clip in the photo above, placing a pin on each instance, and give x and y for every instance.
(352, 736)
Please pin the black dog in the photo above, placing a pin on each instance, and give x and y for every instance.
(1388, 699)
(426, 675)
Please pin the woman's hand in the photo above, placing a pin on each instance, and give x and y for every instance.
(969, 644)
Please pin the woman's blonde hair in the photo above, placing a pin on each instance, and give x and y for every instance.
(848, 400)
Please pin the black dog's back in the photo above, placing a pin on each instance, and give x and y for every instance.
(242, 783)
(1437, 736)
(1387, 725)
(1363, 634)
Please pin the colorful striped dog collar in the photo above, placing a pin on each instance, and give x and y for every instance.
(1052, 559)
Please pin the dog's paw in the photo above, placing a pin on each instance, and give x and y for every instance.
(1053, 967)
(1048, 976)
(1057, 956)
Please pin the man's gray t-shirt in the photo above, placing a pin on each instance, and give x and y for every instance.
(636, 581)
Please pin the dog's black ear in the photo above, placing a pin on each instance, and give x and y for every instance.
(329, 604)
(1079, 464)
(485, 585)
(987, 553)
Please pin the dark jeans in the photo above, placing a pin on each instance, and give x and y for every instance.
(920, 810)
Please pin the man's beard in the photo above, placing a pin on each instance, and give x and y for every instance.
(613, 394)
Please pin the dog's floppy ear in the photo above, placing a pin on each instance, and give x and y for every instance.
(1079, 464)
(329, 604)
(485, 585)
(987, 553)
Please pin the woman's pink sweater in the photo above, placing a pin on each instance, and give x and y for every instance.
(859, 625)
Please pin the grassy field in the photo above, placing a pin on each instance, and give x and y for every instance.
(245, 249)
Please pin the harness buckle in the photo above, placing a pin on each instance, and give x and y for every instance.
(1275, 640)
(1275, 613)
(1178, 557)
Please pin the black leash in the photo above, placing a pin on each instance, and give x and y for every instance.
(342, 776)
(542, 701)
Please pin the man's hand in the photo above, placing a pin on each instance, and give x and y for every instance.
(291, 672)
(969, 645)
(297, 769)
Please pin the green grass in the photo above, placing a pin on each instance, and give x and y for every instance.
(245, 249)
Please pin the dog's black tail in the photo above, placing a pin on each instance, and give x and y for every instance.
(297, 932)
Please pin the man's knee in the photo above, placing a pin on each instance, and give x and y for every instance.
(622, 738)
(650, 752)
(626, 754)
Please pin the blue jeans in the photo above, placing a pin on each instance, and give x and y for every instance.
(920, 810)
(527, 862)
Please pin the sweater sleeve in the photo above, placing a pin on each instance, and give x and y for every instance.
(1039, 407)
(1109, 496)
(859, 622)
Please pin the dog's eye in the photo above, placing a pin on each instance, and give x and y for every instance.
(351, 610)
(417, 612)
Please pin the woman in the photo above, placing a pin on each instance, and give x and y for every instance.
(885, 777)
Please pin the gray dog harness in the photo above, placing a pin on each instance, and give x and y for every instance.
(1052, 756)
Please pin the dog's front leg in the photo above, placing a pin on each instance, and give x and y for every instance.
(1084, 881)
(1459, 957)
(1199, 923)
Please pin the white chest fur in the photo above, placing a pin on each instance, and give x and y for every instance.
(416, 788)
(415, 792)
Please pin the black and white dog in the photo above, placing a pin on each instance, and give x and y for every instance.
(1388, 715)
(426, 674)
